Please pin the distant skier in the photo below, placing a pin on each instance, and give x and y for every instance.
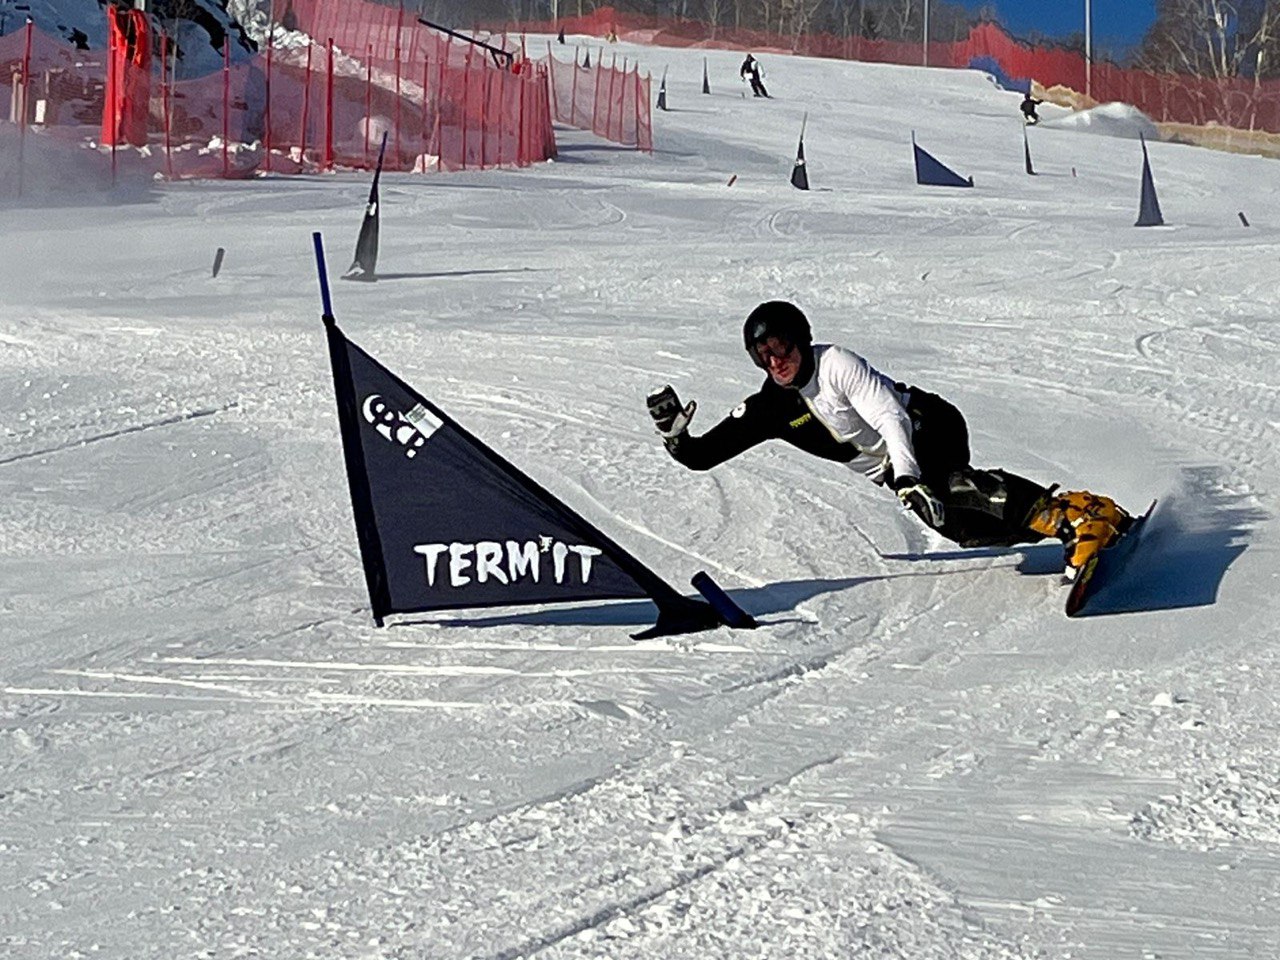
(831, 403)
(1029, 104)
(750, 70)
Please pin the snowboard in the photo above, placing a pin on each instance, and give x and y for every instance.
(1106, 565)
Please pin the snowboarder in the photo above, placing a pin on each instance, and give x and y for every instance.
(750, 69)
(1029, 104)
(830, 402)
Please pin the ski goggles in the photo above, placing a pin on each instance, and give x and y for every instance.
(764, 351)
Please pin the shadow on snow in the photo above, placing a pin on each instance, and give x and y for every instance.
(758, 601)
(1191, 541)
(1186, 549)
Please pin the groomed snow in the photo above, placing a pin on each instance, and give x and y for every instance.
(208, 750)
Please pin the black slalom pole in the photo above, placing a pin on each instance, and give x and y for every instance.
(323, 274)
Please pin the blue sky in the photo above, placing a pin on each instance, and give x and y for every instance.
(1114, 21)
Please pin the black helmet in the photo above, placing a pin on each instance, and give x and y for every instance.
(776, 318)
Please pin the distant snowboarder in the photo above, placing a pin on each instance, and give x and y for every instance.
(833, 404)
(750, 70)
(1029, 104)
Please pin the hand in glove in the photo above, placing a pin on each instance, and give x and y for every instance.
(920, 500)
(668, 416)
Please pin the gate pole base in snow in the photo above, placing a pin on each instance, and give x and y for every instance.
(732, 614)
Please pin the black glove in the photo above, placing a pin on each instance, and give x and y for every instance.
(668, 416)
(920, 500)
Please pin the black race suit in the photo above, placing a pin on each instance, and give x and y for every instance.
(983, 507)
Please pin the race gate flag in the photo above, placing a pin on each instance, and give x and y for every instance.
(444, 522)
(365, 264)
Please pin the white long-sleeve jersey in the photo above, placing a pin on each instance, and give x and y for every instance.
(863, 407)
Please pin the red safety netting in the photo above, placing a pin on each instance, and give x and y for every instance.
(311, 105)
(617, 105)
(362, 29)
(1235, 102)
(305, 107)
(475, 80)
(611, 101)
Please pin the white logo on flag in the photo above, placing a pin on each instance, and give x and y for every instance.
(411, 430)
(505, 562)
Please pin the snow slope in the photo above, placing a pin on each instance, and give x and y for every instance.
(207, 749)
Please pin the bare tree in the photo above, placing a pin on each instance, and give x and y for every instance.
(800, 16)
(712, 10)
(907, 17)
(1219, 40)
(1213, 38)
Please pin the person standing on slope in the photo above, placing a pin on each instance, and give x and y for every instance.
(750, 69)
(831, 403)
(1028, 108)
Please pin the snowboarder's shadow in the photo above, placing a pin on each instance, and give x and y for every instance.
(785, 596)
(1190, 542)
(1184, 556)
(1035, 559)
(773, 598)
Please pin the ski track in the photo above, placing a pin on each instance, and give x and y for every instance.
(122, 432)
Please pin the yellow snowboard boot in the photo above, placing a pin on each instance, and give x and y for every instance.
(1085, 522)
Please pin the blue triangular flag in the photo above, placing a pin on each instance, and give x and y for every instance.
(1149, 207)
(799, 174)
(365, 264)
(934, 173)
(443, 522)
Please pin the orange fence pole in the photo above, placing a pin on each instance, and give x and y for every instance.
(439, 128)
(399, 27)
(113, 83)
(484, 119)
(522, 135)
(164, 104)
(608, 116)
(328, 110)
(368, 102)
(466, 103)
(226, 104)
(595, 98)
(266, 133)
(573, 91)
(638, 105)
(306, 106)
(426, 74)
(25, 98)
